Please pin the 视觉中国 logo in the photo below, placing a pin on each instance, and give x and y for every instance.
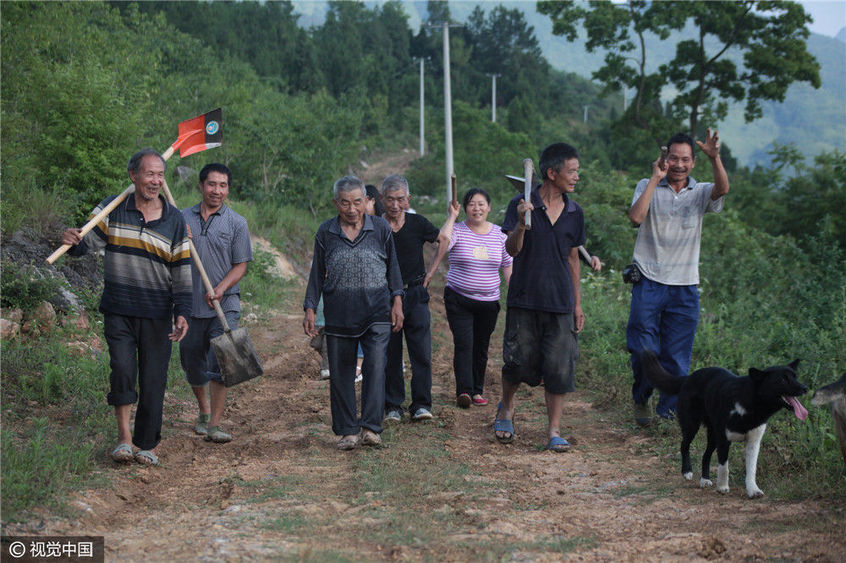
(212, 127)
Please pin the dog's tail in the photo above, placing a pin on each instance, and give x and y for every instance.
(657, 375)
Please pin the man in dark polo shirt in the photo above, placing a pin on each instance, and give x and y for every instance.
(544, 298)
(411, 232)
(222, 240)
(355, 269)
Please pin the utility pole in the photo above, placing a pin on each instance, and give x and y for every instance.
(586, 112)
(422, 127)
(493, 97)
(450, 168)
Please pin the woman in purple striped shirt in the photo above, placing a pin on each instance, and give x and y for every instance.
(471, 296)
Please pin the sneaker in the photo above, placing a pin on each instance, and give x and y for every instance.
(358, 377)
(643, 414)
(324, 374)
(422, 414)
(202, 425)
(218, 436)
(464, 400)
(370, 438)
(392, 416)
(479, 401)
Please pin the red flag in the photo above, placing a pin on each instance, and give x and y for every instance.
(199, 133)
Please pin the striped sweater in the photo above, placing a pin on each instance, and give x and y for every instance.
(147, 266)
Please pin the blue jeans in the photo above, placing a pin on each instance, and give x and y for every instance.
(342, 355)
(663, 319)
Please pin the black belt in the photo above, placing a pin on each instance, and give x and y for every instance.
(414, 283)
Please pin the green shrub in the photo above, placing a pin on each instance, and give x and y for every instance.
(24, 287)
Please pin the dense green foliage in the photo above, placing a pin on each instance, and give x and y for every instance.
(94, 82)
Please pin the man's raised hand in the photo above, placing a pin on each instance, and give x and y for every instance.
(711, 146)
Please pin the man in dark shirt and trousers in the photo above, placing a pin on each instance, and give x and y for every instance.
(146, 293)
(222, 240)
(544, 298)
(355, 270)
(411, 231)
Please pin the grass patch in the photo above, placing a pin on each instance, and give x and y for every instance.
(55, 420)
(289, 523)
(262, 290)
(41, 464)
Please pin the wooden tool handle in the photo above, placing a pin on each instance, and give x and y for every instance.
(102, 214)
(528, 169)
(93, 222)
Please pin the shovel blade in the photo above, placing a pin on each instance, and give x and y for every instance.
(236, 356)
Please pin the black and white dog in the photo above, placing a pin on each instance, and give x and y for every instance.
(733, 409)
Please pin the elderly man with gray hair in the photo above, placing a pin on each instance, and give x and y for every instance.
(146, 300)
(411, 232)
(355, 269)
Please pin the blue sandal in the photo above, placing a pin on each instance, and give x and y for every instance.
(503, 425)
(122, 453)
(558, 444)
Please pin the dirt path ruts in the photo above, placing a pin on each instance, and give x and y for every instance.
(281, 490)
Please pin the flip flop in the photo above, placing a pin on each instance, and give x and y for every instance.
(503, 425)
(122, 453)
(558, 444)
(146, 457)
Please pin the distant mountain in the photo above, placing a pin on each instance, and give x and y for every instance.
(815, 120)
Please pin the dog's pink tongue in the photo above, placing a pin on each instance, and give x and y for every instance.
(800, 411)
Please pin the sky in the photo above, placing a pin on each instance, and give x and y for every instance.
(829, 15)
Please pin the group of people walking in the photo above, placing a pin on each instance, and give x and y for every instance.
(368, 273)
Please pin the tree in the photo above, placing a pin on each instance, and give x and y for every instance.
(770, 35)
(504, 44)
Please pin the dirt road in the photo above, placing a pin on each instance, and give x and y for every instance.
(444, 490)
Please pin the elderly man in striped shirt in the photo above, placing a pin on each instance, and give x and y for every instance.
(146, 300)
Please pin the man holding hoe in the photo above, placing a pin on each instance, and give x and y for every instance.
(544, 298)
(222, 240)
(146, 299)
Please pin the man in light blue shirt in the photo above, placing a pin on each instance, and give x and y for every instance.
(222, 240)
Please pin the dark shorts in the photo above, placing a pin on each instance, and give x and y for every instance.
(195, 352)
(540, 346)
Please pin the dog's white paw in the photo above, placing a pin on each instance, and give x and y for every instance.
(688, 476)
(754, 493)
(703, 483)
(723, 490)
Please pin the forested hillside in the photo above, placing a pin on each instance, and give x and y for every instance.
(85, 84)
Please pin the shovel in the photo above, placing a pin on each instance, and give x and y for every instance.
(233, 349)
